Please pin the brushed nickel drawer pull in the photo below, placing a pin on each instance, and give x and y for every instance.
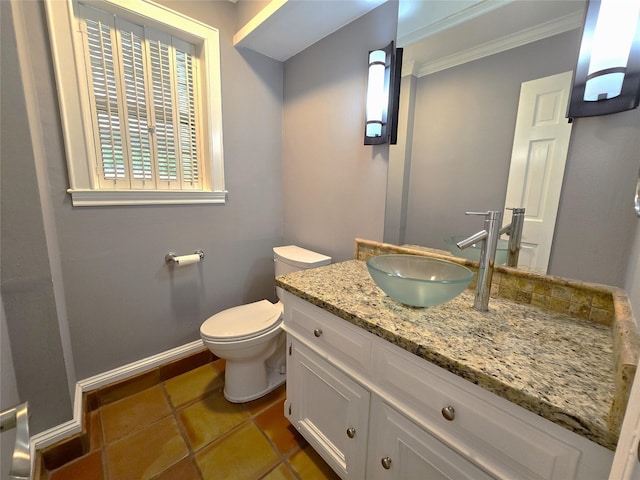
(317, 332)
(449, 413)
(351, 432)
(386, 463)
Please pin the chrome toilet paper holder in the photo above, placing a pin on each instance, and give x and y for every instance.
(172, 258)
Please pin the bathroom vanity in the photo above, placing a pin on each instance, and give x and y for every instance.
(382, 390)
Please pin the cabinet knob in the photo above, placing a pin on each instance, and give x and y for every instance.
(317, 332)
(449, 413)
(351, 432)
(386, 463)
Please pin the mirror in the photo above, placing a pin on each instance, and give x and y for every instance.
(462, 73)
(460, 91)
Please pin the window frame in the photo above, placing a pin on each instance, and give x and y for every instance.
(77, 121)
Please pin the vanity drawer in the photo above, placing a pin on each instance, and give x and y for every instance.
(503, 444)
(332, 338)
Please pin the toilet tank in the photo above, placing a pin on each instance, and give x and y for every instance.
(292, 258)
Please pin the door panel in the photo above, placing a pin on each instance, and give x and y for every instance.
(540, 146)
(410, 452)
(324, 404)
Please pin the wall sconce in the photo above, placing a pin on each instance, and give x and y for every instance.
(383, 94)
(607, 76)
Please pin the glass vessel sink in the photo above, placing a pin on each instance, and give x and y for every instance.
(418, 281)
(473, 252)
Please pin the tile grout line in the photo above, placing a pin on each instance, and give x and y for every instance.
(103, 440)
(283, 458)
(191, 455)
(103, 459)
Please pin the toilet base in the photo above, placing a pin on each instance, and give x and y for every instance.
(275, 378)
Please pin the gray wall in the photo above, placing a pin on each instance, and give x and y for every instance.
(395, 215)
(122, 301)
(596, 222)
(463, 136)
(27, 278)
(333, 185)
(632, 284)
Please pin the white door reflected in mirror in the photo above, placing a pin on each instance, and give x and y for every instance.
(540, 146)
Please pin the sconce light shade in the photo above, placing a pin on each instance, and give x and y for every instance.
(383, 93)
(607, 76)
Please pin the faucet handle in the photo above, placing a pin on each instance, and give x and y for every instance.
(489, 215)
(477, 213)
(516, 210)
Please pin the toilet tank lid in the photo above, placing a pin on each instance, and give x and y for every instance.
(300, 257)
(243, 321)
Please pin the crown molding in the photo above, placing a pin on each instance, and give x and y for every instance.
(465, 15)
(533, 34)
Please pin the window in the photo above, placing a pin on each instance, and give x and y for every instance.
(143, 88)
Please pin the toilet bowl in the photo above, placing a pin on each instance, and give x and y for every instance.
(246, 336)
(250, 338)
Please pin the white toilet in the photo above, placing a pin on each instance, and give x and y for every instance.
(250, 337)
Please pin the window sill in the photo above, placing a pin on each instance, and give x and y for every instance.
(98, 198)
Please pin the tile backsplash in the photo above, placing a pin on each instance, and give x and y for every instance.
(583, 300)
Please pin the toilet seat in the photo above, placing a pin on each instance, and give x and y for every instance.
(242, 322)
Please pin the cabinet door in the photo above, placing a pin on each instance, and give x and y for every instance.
(329, 409)
(400, 449)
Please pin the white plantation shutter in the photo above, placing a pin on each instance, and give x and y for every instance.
(107, 129)
(185, 68)
(143, 87)
(132, 48)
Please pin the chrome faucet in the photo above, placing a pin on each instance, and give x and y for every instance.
(514, 230)
(489, 237)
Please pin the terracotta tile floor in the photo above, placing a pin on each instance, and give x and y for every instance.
(183, 428)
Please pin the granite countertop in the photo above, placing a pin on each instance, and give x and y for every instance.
(552, 364)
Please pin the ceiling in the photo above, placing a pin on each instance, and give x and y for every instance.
(435, 34)
(285, 27)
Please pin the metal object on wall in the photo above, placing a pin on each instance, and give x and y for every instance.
(18, 417)
(182, 260)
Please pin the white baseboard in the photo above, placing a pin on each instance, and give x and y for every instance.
(74, 426)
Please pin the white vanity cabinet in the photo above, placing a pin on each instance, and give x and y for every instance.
(329, 409)
(375, 411)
